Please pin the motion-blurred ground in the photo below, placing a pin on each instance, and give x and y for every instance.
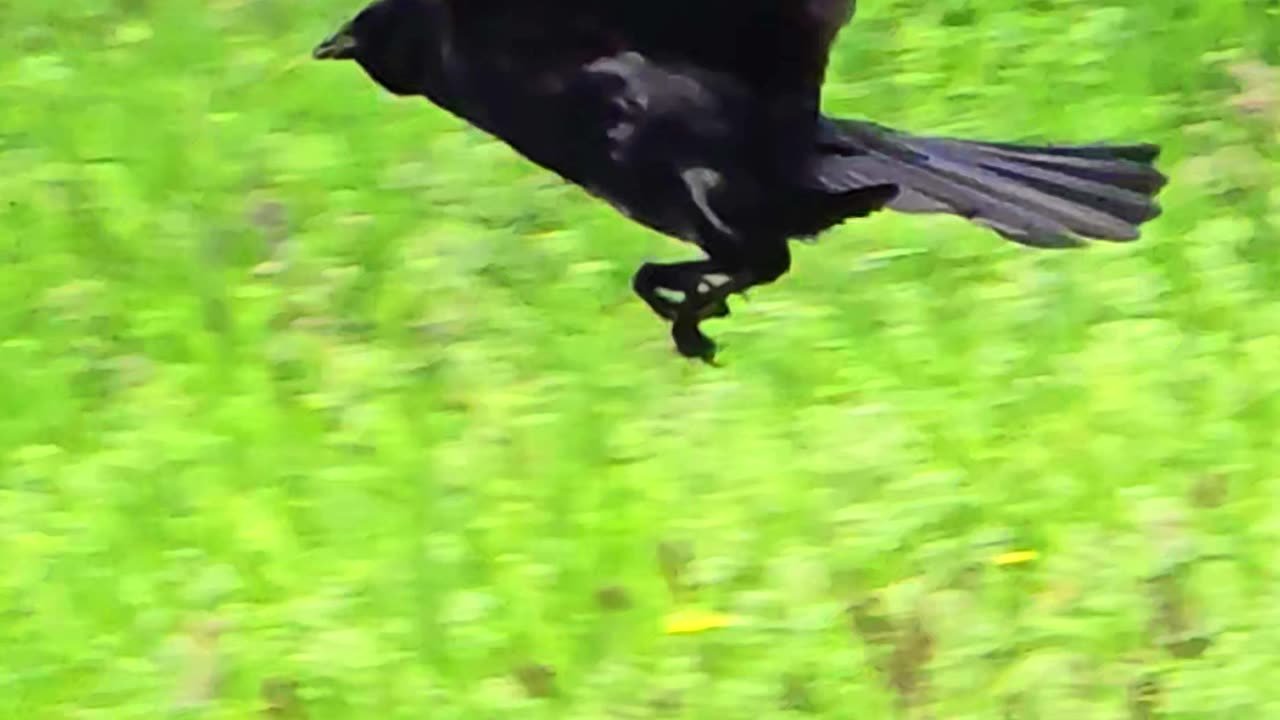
(317, 404)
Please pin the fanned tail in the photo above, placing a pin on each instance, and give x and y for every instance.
(1042, 196)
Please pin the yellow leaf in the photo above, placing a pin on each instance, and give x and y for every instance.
(689, 622)
(1017, 557)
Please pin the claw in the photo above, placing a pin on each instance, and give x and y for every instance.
(691, 343)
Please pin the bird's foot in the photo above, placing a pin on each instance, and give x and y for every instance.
(692, 343)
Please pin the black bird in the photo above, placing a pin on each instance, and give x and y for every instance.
(700, 119)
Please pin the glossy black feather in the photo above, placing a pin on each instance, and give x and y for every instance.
(699, 119)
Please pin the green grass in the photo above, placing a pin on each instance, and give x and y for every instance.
(374, 393)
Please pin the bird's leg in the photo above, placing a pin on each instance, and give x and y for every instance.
(686, 278)
(765, 261)
(692, 279)
(689, 339)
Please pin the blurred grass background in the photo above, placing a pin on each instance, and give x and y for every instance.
(318, 404)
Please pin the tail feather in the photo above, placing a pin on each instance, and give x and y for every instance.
(1126, 166)
(1145, 153)
(1043, 196)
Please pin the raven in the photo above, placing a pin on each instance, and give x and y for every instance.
(700, 119)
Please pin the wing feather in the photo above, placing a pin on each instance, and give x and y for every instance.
(778, 48)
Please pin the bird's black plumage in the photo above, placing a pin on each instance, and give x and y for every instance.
(699, 119)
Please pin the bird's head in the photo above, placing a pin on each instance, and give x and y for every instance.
(390, 39)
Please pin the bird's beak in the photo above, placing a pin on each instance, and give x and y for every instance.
(339, 46)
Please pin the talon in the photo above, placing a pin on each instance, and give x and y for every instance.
(691, 343)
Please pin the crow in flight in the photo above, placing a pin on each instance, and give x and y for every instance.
(700, 119)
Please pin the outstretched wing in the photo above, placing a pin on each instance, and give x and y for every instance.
(778, 48)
